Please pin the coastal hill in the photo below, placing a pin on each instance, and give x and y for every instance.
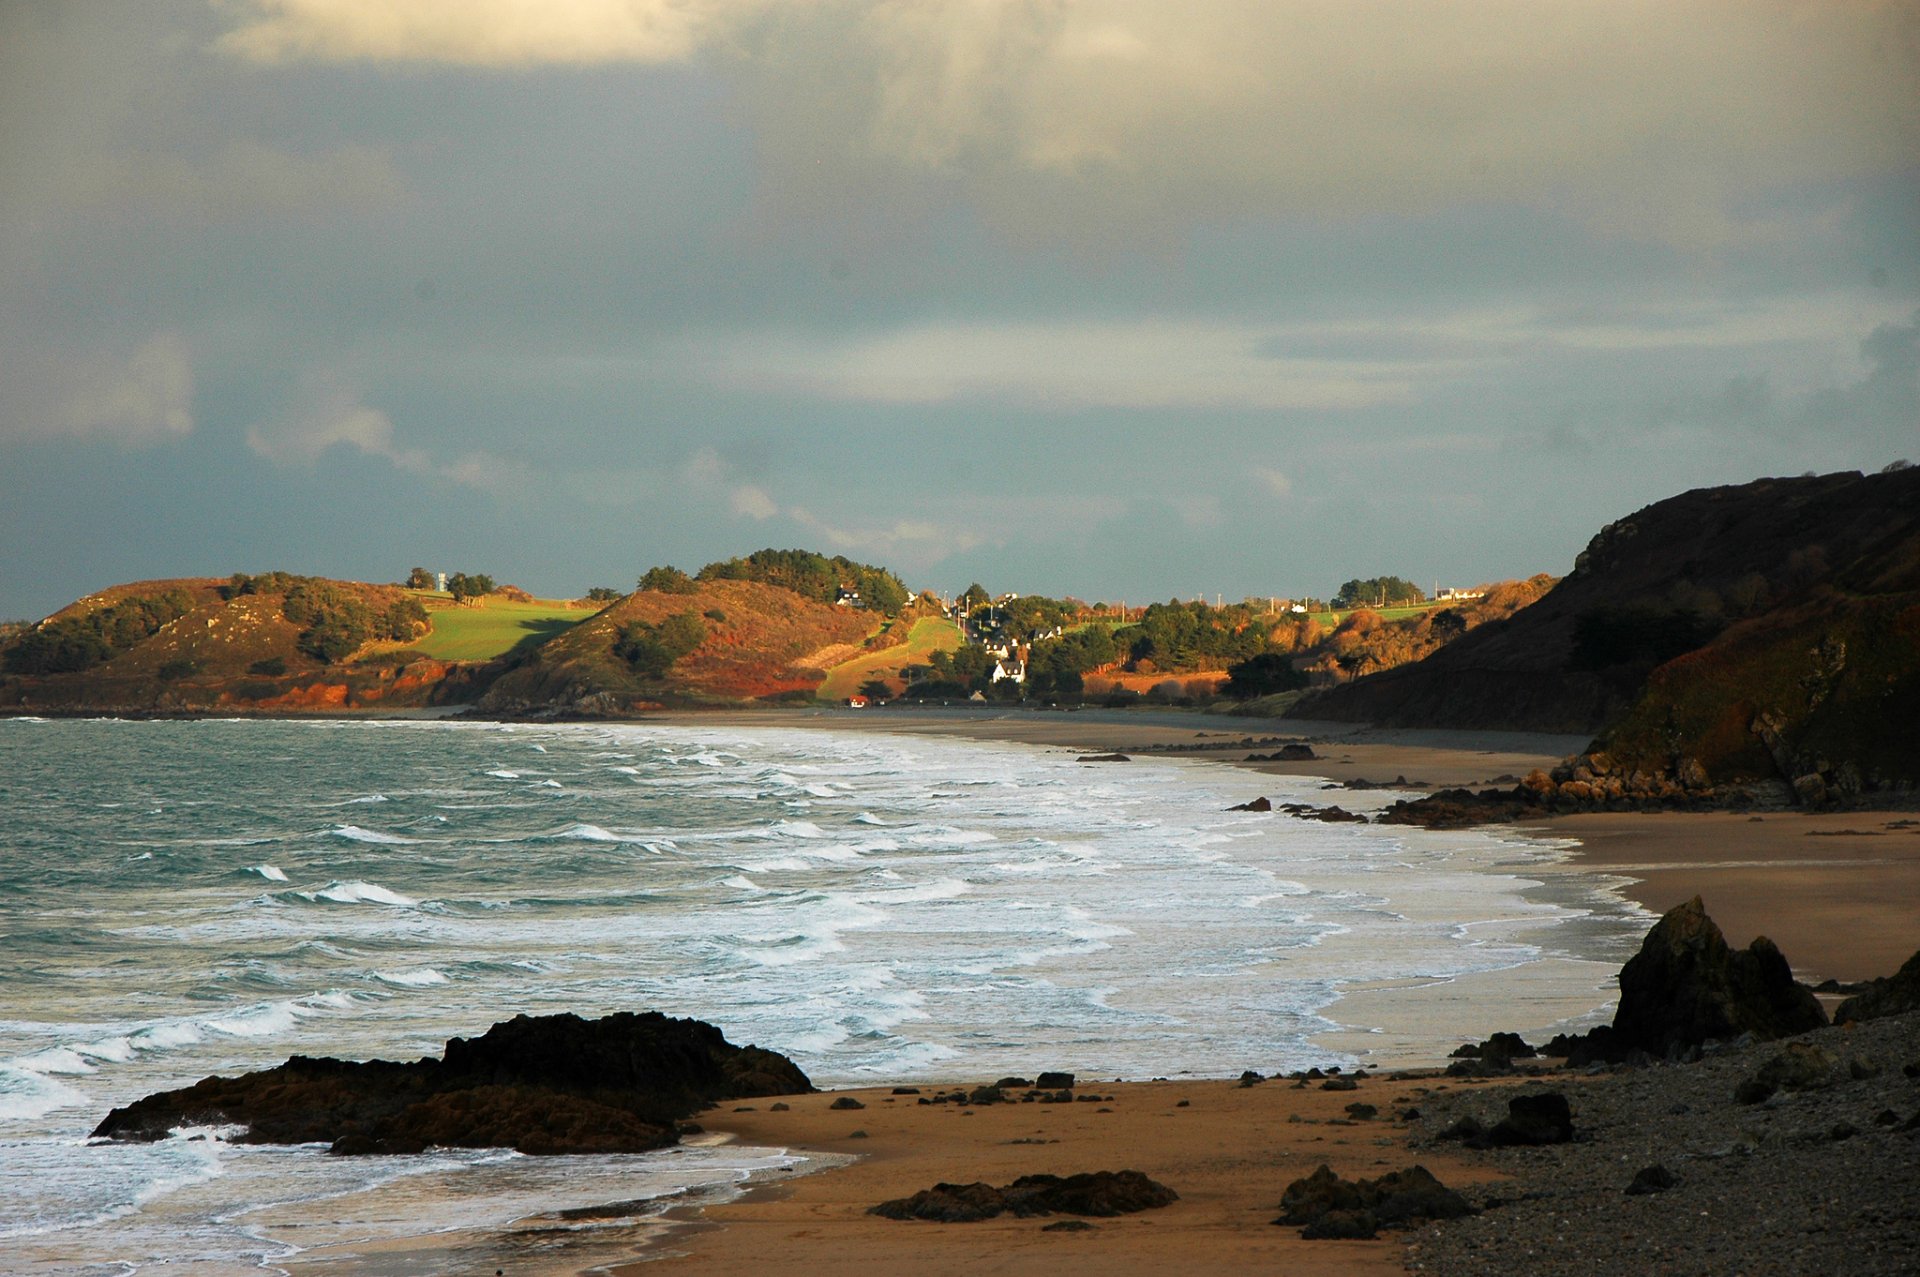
(1770, 629)
(269, 643)
(767, 627)
(712, 642)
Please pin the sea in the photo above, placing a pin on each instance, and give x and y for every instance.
(185, 898)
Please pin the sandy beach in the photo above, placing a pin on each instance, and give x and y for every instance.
(1838, 893)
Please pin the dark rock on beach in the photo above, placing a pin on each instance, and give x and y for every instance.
(1330, 1207)
(1262, 803)
(542, 1085)
(1542, 1117)
(1098, 1193)
(1888, 995)
(1687, 986)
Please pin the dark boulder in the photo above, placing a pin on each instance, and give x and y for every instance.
(1888, 995)
(1330, 1207)
(1652, 1179)
(543, 1085)
(1686, 986)
(1054, 1081)
(1799, 1066)
(1262, 803)
(1542, 1117)
(1101, 1194)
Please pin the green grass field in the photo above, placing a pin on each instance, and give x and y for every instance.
(1331, 619)
(930, 634)
(494, 627)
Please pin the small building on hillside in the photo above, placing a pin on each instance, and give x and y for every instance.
(849, 598)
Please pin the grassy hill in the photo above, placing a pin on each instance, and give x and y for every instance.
(925, 635)
(755, 642)
(1766, 630)
(492, 627)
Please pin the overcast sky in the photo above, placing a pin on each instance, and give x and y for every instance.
(1115, 297)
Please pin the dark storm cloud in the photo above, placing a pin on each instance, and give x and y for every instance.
(1105, 297)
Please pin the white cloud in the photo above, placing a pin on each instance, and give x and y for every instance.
(753, 502)
(146, 398)
(914, 543)
(138, 397)
(488, 33)
(1274, 481)
(1148, 364)
(336, 420)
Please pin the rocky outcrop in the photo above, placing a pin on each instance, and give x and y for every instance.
(542, 1085)
(1687, 986)
(1888, 995)
(1099, 1193)
(1330, 1207)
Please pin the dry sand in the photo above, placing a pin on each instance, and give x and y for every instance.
(1229, 1154)
(1839, 894)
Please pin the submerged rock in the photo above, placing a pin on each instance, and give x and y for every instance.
(539, 1084)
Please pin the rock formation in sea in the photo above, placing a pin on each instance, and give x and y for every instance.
(539, 1084)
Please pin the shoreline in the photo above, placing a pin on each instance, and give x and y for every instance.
(1838, 892)
(1757, 876)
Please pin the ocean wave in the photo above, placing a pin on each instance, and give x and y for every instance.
(270, 872)
(415, 978)
(503, 774)
(25, 1095)
(357, 892)
(867, 818)
(354, 833)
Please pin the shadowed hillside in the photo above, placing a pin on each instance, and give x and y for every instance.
(1769, 629)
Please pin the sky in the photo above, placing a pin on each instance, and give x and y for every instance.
(1116, 298)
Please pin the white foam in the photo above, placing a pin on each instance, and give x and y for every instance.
(260, 1021)
(416, 978)
(25, 1095)
(797, 829)
(868, 818)
(55, 1059)
(587, 833)
(550, 784)
(269, 872)
(369, 798)
(358, 892)
(504, 774)
(354, 833)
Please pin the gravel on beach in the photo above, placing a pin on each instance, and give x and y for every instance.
(1823, 1180)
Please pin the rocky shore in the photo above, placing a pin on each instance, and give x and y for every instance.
(1822, 1178)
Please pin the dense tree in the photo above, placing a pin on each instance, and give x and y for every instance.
(651, 650)
(464, 587)
(814, 576)
(1262, 675)
(876, 689)
(666, 579)
(419, 579)
(78, 642)
(602, 594)
(1379, 591)
(975, 596)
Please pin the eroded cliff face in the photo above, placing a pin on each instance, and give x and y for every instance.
(1765, 631)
